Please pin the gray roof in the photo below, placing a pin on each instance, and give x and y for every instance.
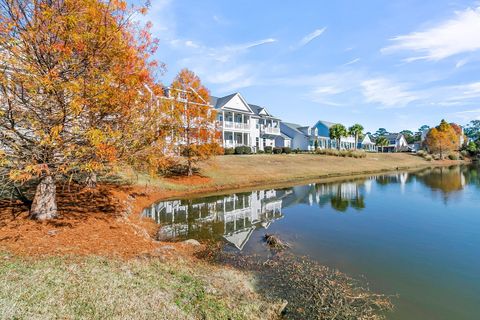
(217, 103)
(294, 127)
(393, 136)
(256, 109)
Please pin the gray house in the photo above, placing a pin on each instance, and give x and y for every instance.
(302, 137)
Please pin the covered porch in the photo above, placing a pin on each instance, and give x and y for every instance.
(235, 139)
(234, 120)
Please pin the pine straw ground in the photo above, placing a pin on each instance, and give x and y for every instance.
(97, 260)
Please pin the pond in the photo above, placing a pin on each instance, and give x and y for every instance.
(415, 235)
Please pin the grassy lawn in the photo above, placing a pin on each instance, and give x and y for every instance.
(236, 171)
(100, 288)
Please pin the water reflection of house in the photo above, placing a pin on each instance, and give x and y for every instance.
(321, 194)
(233, 217)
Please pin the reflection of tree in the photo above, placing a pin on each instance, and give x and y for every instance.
(472, 175)
(338, 203)
(341, 201)
(445, 179)
(358, 203)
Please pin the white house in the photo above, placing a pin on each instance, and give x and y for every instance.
(244, 124)
(367, 144)
(396, 143)
(301, 137)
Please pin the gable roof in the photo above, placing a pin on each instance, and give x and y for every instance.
(392, 136)
(261, 111)
(294, 127)
(219, 103)
(327, 124)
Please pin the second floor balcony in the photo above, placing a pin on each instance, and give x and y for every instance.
(235, 125)
(270, 130)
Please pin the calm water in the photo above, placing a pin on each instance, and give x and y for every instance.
(412, 234)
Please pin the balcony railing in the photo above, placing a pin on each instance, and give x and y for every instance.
(270, 130)
(235, 125)
(233, 144)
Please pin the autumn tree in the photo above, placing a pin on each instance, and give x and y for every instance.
(442, 139)
(73, 81)
(195, 130)
(356, 130)
(337, 132)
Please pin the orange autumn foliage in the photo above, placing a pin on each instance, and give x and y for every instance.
(194, 130)
(77, 88)
(442, 139)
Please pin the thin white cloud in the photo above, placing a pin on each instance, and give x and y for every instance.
(449, 38)
(256, 43)
(387, 93)
(311, 36)
(467, 115)
(461, 63)
(352, 62)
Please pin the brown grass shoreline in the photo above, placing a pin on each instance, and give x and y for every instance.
(214, 180)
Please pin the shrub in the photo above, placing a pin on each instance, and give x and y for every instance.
(260, 152)
(286, 150)
(428, 157)
(297, 151)
(268, 149)
(239, 150)
(277, 150)
(471, 148)
(422, 153)
(465, 153)
(453, 156)
(228, 151)
(343, 153)
(247, 150)
(358, 154)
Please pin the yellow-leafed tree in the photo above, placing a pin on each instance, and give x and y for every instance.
(442, 139)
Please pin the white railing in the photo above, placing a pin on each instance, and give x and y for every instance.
(233, 144)
(235, 125)
(271, 130)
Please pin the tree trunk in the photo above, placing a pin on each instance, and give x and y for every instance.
(44, 206)
(190, 170)
(91, 180)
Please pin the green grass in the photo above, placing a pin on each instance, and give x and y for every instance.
(99, 288)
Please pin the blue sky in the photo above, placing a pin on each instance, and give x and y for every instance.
(393, 64)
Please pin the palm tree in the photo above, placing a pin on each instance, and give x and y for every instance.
(337, 131)
(382, 142)
(356, 130)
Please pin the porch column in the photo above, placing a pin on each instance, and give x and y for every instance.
(223, 128)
